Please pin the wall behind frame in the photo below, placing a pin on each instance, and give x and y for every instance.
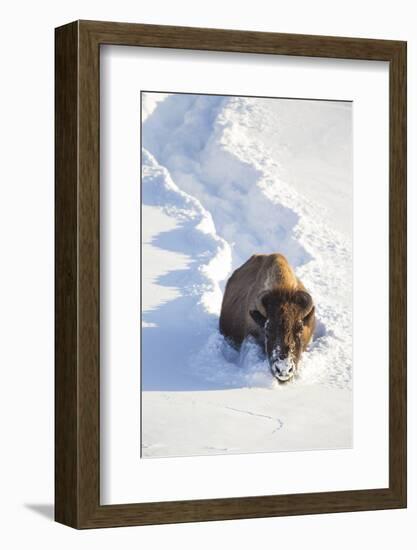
(26, 276)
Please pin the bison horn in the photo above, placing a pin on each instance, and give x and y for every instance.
(259, 304)
(304, 300)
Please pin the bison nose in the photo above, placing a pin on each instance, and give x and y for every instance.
(282, 371)
(285, 370)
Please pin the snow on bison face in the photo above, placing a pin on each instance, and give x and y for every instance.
(287, 322)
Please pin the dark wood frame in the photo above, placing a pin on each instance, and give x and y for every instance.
(77, 404)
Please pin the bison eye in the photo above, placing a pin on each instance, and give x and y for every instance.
(299, 327)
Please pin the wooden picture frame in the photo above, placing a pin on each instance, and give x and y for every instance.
(77, 371)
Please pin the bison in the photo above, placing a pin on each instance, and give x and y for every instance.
(264, 299)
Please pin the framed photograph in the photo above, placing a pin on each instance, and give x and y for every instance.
(230, 274)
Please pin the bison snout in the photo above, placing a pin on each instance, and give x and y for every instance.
(283, 370)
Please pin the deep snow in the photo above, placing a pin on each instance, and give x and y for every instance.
(223, 178)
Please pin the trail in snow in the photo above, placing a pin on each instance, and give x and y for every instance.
(234, 182)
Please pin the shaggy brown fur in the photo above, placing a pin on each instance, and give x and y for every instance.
(264, 298)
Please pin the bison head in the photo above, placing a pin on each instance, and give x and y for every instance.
(287, 322)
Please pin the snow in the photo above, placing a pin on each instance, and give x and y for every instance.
(224, 178)
(244, 420)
